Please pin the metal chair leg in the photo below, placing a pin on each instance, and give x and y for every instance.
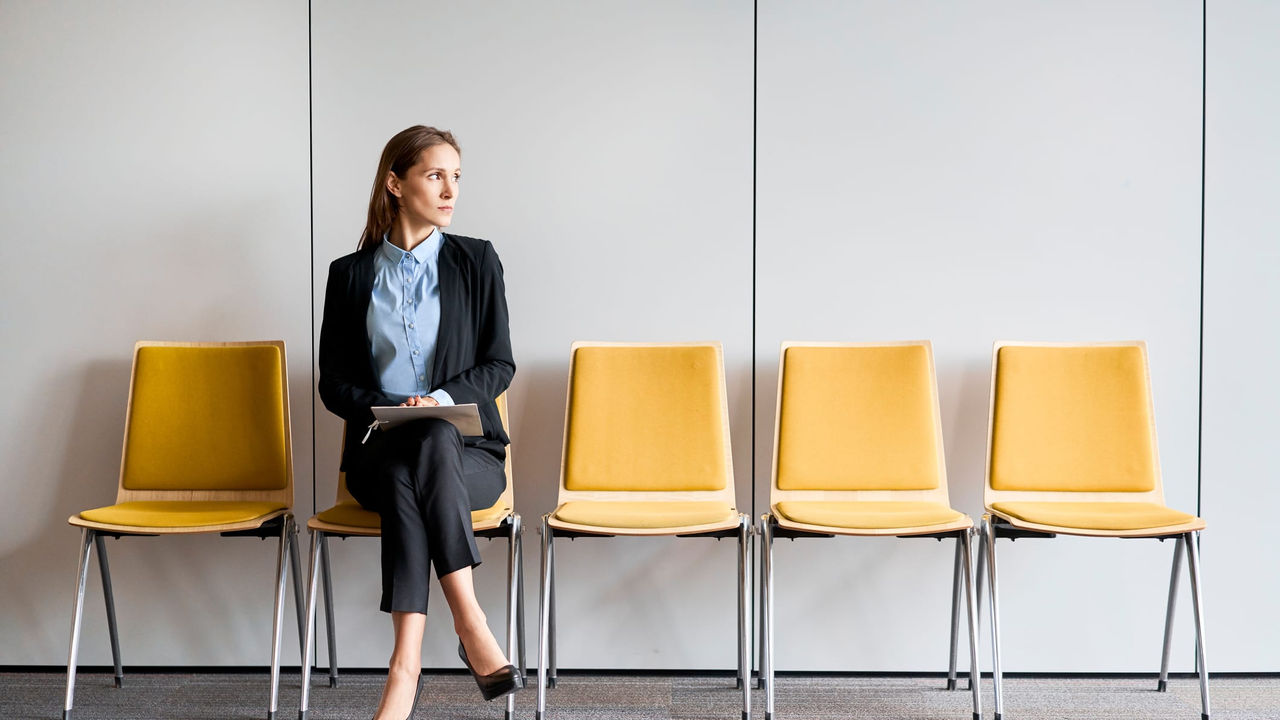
(544, 623)
(975, 679)
(744, 669)
(1163, 683)
(109, 597)
(766, 550)
(524, 665)
(295, 568)
(308, 639)
(955, 616)
(512, 600)
(77, 614)
(551, 640)
(330, 621)
(278, 618)
(989, 537)
(1193, 561)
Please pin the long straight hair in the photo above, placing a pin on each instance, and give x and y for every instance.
(400, 154)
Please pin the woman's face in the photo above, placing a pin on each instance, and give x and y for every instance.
(429, 189)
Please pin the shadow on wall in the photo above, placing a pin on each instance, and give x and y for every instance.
(965, 396)
(89, 425)
(536, 405)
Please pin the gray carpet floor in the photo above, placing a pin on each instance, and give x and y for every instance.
(235, 696)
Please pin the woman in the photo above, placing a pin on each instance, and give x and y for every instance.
(418, 317)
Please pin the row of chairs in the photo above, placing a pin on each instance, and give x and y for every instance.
(857, 452)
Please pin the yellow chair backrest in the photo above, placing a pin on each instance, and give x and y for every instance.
(206, 420)
(646, 417)
(507, 499)
(858, 417)
(1074, 418)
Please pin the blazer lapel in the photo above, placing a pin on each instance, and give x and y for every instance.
(446, 276)
(362, 289)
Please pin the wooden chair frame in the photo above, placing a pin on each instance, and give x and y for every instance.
(996, 525)
(507, 525)
(279, 524)
(774, 524)
(740, 527)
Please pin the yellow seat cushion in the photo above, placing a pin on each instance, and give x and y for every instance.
(206, 418)
(1072, 419)
(639, 515)
(180, 514)
(879, 515)
(858, 418)
(647, 418)
(1094, 515)
(352, 515)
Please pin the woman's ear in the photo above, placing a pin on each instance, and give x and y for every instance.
(393, 183)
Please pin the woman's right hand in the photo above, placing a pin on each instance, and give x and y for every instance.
(420, 401)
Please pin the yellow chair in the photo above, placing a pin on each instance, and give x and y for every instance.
(858, 451)
(206, 450)
(348, 519)
(1071, 449)
(646, 453)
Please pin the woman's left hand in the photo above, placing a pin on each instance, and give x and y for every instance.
(420, 401)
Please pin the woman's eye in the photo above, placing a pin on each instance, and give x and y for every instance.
(457, 178)
(433, 176)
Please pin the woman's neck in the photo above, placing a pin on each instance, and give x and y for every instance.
(407, 235)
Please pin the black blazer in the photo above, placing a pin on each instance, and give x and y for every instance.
(473, 361)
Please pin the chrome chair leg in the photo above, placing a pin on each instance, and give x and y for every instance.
(278, 618)
(1193, 561)
(308, 639)
(77, 614)
(744, 668)
(1163, 683)
(544, 609)
(326, 577)
(975, 679)
(766, 550)
(524, 665)
(551, 640)
(109, 597)
(955, 616)
(989, 538)
(295, 569)
(512, 600)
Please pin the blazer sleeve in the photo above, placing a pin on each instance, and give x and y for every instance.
(342, 350)
(494, 365)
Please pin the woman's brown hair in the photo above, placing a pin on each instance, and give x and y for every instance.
(400, 154)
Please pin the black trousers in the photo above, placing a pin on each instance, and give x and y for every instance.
(424, 482)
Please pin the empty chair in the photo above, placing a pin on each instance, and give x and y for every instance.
(206, 450)
(1072, 450)
(646, 453)
(858, 452)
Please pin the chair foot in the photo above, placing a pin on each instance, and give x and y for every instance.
(66, 715)
(537, 715)
(951, 683)
(976, 716)
(1204, 716)
(506, 715)
(302, 714)
(551, 682)
(1163, 686)
(997, 716)
(745, 716)
(119, 681)
(738, 686)
(271, 715)
(768, 715)
(333, 682)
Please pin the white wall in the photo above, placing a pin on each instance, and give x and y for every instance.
(1241, 343)
(1015, 171)
(606, 154)
(954, 171)
(154, 186)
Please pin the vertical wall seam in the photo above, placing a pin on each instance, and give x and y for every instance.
(1204, 82)
(311, 281)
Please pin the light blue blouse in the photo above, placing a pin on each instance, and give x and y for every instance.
(404, 317)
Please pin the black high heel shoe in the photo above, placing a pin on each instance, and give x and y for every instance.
(499, 683)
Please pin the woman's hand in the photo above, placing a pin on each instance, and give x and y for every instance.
(419, 401)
